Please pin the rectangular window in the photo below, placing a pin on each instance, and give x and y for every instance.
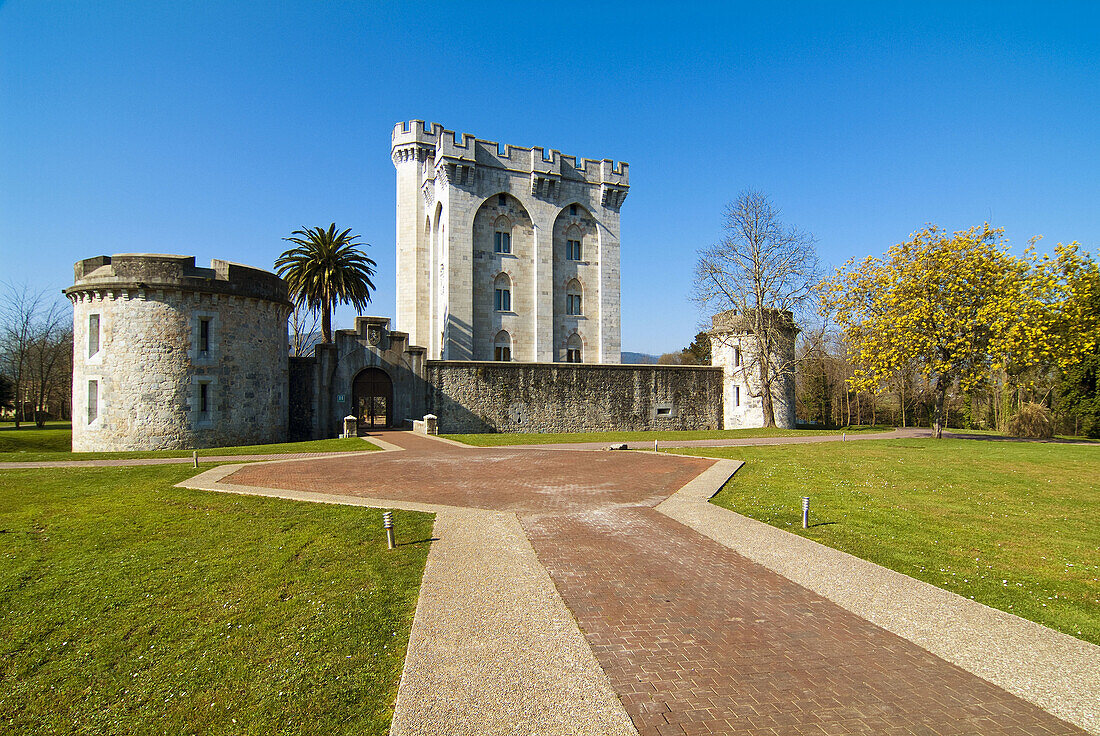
(93, 334)
(737, 356)
(503, 353)
(572, 355)
(204, 400)
(93, 401)
(204, 337)
(502, 200)
(573, 210)
(502, 242)
(573, 250)
(737, 396)
(573, 304)
(503, 300)
(664, 411)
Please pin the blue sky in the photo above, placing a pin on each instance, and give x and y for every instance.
(215, 128)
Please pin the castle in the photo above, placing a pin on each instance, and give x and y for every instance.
(507, 316)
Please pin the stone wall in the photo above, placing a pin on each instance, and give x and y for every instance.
(469, 397)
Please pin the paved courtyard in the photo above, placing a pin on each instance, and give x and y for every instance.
(693, 637)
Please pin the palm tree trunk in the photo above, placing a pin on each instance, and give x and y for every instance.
(326, 324)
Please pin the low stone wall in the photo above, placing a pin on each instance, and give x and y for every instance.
(472, 396)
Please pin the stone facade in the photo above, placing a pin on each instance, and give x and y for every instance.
(171, 356)
(734, 348)
(323, 386)
(474, 217)
(507, 274)
(536, 397)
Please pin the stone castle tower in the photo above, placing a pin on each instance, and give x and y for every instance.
(734, 347)
(171, 356)
(506, 253)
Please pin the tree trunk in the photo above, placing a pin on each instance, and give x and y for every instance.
(937, 415)
(766, 395)
(326, 324)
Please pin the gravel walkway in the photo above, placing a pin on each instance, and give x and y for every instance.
(493, 649)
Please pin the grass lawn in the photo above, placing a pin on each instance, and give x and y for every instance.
(54, 443)
(549, 438)
(130, 606)
(1015, 526)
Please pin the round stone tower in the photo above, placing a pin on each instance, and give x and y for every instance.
(171, 356)
(735, 347)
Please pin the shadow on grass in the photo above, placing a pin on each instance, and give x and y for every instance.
(418, 541)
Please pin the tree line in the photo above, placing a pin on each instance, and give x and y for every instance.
(947, 328)
(36, 355)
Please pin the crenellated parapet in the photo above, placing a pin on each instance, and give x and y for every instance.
(456, 157)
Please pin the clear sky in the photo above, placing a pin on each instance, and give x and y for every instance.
(216, 128)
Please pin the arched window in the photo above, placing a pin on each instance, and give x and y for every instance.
(573, 298)
(502, 346)
(502, 293)
(502, 235)
(573, 349)
(573, 244)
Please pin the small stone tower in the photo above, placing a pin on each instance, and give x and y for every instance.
(733, 346)
(171, 356)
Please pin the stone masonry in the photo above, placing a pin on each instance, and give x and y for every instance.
(148, 374)
(734, 348)
(531, 397)
(475, 217)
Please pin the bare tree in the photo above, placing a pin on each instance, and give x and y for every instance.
(764, 273)
(303, 329)
(35, 347)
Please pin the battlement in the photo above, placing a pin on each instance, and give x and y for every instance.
(734, 321)
(153, 271)
(448, 147)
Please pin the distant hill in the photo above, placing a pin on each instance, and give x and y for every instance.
(643, 358)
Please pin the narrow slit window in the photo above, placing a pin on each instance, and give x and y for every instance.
(204, 400)
(737, 356)
(93, 401)
(204, 337)
(573, 210)
(737, 396)
(502, 200)
(93, 334)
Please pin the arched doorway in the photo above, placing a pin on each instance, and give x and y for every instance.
(372, 399)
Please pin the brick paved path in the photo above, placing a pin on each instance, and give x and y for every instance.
(694, 637)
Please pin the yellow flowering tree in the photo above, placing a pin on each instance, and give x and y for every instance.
(946, 304)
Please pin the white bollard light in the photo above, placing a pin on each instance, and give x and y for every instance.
(387, 524)
(805, 512)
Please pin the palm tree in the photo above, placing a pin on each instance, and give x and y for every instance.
(325, 269)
